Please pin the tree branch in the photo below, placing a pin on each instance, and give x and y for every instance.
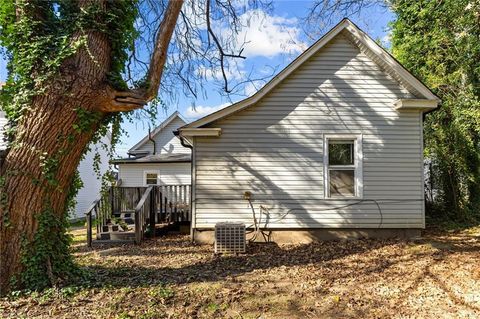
(137, 98)
(159, 56)
(220, 48)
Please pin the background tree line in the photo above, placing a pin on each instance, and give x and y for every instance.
(439, 41)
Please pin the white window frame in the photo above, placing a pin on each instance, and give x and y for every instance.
(358, 164)
(145, 172)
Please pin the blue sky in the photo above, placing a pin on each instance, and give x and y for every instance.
(274, 40)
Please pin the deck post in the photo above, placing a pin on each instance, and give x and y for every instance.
(153, 210)
(112, 199)
(89, 229)
(138, 228)
(161, 208)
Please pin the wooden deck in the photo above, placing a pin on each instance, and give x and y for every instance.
(125, 214)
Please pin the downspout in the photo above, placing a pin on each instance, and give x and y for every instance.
(188, 145)
(153, 141)
(182, 140)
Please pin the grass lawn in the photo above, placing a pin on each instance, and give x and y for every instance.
(438, 277)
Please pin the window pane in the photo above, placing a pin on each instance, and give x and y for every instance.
(342, 182)
(151, 179)
(340, 152)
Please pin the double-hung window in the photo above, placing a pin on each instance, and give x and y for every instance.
(343, 176)
(151, 178)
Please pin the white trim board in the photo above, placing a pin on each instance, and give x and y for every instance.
(150, 171)
(360, 38)
(415, 104)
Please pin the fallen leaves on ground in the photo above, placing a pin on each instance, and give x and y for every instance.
(170, 277)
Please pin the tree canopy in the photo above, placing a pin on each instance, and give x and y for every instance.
(439, 41)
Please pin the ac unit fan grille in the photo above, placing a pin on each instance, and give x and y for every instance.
(230, 238)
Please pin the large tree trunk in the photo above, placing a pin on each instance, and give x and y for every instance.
(48, 131)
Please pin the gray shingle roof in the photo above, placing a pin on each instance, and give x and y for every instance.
(158, 158)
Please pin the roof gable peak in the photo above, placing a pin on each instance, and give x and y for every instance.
(157, 130)
(358, 38)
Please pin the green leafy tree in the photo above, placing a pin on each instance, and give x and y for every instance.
(439, 41)
(77, 68)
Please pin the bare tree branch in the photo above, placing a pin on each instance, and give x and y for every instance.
(159, 56)
(137, 98)
(205, 48)
(219, 47)
(323, 13)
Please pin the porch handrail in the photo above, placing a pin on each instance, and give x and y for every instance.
(88, 217)
(144, 207)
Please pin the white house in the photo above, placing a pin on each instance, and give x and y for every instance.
(92, 182)
(331, 146)
(158, 159)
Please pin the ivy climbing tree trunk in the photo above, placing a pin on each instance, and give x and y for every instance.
(53, 133)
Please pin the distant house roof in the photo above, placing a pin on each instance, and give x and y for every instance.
(158, 158)
(362, 41)
(156, 131)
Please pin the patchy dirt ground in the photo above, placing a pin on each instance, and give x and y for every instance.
(438, 277)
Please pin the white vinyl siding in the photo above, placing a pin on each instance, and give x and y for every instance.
(92, 182)
(165, 141)
(274, 149)
(133, 175)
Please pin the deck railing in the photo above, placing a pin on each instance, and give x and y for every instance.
(125, 198)
(101, 212)
(144, 213)
(162, 204)
(173, 203)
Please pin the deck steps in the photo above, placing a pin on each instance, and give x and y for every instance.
(119, 235)
(119, 228)
(118, 210)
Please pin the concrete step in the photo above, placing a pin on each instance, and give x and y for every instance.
(114, 228)
(118, 236)
(127, 217)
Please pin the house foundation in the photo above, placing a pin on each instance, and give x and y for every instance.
(288, 236)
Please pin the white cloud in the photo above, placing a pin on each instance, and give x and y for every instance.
(235, 72)
(200, 111)
(269, 35)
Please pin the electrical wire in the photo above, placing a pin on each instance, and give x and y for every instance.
(256, 223)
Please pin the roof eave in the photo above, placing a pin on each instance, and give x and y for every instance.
(200, 132)
(423, 105)
(150, 162)
(345, 24)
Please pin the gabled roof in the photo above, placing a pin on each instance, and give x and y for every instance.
(358, 37)
(158, 158)
(157, 130)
